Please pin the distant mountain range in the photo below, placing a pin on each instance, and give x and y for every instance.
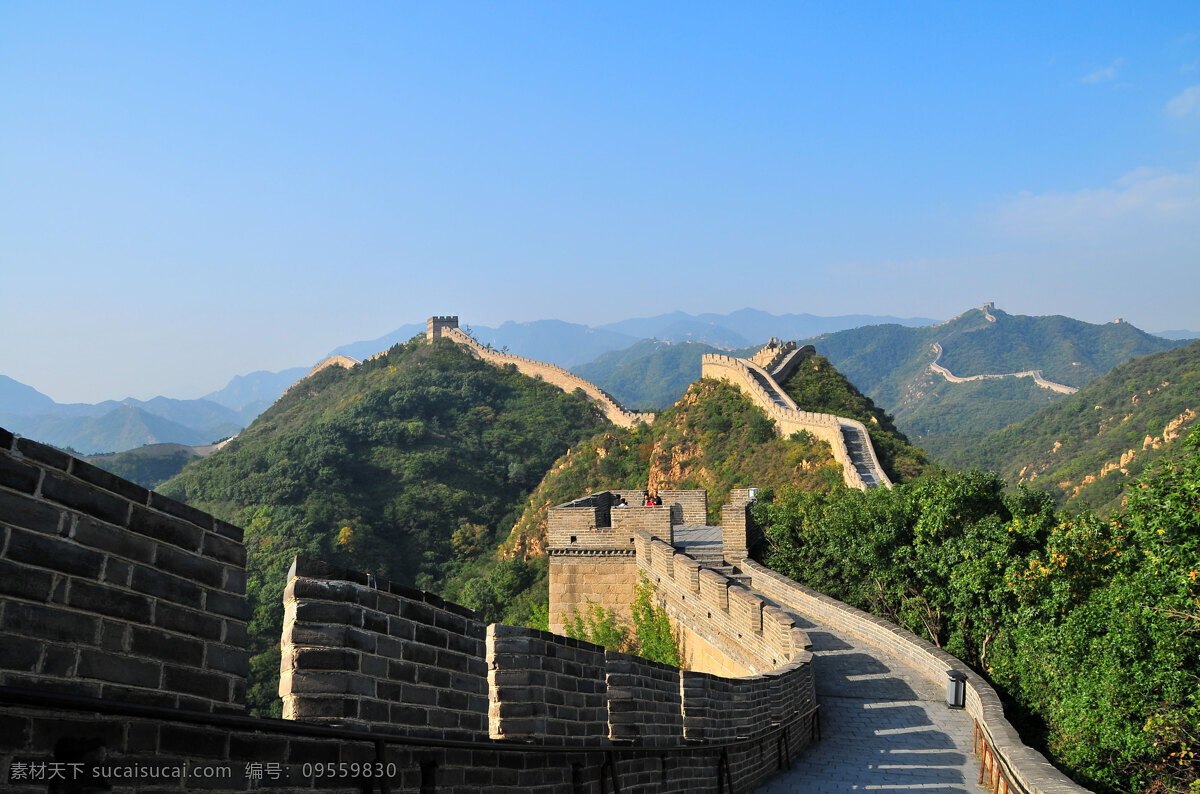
(649, 362)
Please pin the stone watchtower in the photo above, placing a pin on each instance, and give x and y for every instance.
(435, 325)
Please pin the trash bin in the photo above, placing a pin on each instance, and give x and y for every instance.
(956, 689)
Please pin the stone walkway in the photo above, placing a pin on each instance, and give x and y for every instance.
(884, 727)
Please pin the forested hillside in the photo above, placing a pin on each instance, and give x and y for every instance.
(406, 466)
(1087, 625)
(1087, 448)
(714, 438)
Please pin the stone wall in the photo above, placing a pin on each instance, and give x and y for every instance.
(790, 419)
(109, 590)
(357, 654)
(1025, 766)
(551, 373)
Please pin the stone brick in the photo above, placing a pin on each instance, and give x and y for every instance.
(20, 653)
(166, 528)
(186, 621)
(193, 682)
(94, 475)
(118, 669)
(19, 581)
(51, 623)
(228, 530)
(17, 475)
(43, 454)
(59, 660)
(86, 499)
(47, 551)
(18, 510)
(188, 513)
(163, 585)
(190, 566)
(227, 660)
(166, 647)
(227, 605)
(218, 548)
(109, 601)
(122, 542)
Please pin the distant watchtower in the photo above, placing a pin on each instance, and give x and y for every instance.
(435, 325)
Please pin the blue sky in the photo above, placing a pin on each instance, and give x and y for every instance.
(190, 191)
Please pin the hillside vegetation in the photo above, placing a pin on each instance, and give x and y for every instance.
(1087, 448)
(1088, 626)
(405, 466)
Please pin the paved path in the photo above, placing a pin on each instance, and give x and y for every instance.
(884, 727)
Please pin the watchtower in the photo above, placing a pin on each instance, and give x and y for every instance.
(435, 325)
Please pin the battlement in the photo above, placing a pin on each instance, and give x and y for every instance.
(437, 325)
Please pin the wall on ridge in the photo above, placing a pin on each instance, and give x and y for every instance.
(551, 373)
(788, 420)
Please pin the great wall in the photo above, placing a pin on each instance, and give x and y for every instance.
(1035, 374)
(124, 665)
(759, 377)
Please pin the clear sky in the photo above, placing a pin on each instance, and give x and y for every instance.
(190, 191)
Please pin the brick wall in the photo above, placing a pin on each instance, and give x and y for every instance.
(547, 687)
(110, 590)
(645, 703)
(357, 651)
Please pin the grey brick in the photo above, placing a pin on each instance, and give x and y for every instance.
(166, 528)
(97, 476)
(190, 566)
(48, 551)
(19, 581)
(166, 647)
(43, 454)
(163, 585)
(24, 511)
(118, 669)
(112, 539)
(109, 601)
(17, 475)
(86, 499)
(52, 623)
(219, 548)
(187, 621)
(20, 653)
(180, 510)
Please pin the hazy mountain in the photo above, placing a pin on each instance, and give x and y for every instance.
(250, 395)
(124, 427)
(752, 325)
(1178, 334)
(17, 398)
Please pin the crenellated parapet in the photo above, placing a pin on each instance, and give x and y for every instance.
(860, 465)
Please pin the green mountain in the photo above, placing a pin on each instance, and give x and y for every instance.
(891, 365)
(151, 465)
(1085, 448)
(405, 466)
(651, 375)
(713, 438)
